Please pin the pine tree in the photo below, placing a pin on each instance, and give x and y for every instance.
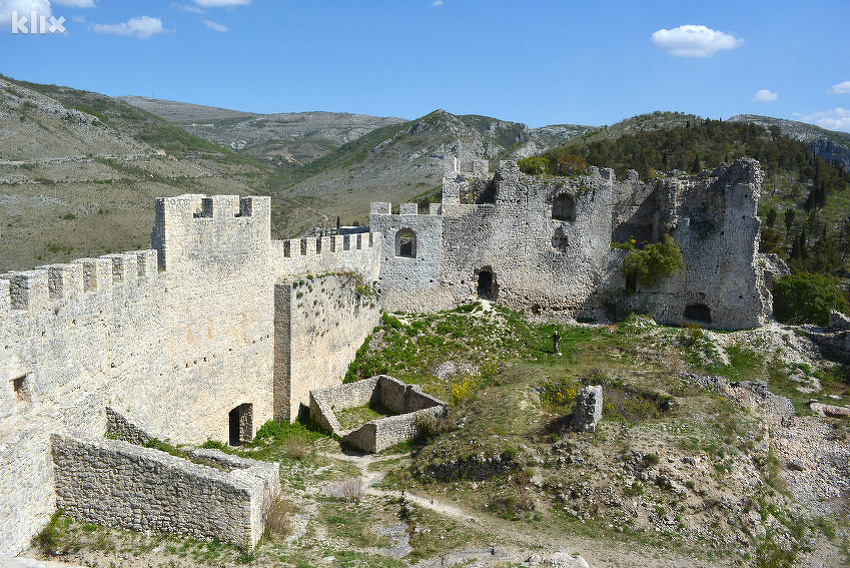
(771, 217)
(790, 214)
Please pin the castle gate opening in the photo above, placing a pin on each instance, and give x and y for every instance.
(241, 424)
(487, 288)
(698, 312)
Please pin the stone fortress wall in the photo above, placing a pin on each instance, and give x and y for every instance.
(181, 336)
(219, 328)
(545, 244)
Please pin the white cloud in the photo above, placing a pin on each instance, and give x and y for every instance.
(23, 8)
(187, 8)
(694, 41)
(765, 95)
(436, 3)
(221, 3)
(76, 3)
(840, 88)
(142, 27)
(836, 119)
(216, 26)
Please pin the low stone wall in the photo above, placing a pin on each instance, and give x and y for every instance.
(474, 467)
(835, 338)
(122, 427)
(351, 395)
(119, 484)
(407, 400)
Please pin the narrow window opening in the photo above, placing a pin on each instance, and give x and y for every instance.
(21, 388)
(631, 284)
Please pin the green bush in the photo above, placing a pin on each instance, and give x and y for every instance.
(655, 260)
(533, 165)
(806, 298)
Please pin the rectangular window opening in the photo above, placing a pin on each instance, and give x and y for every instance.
(21, 387)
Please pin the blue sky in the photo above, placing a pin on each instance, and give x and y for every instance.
(538, 61)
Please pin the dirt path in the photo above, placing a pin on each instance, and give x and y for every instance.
(520, 542)
(370, 479)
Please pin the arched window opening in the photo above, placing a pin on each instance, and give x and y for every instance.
(405, 243)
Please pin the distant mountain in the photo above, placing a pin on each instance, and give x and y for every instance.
(284, 137)
(317, 166)
(406, 161)
(830, 145)
(76, 184)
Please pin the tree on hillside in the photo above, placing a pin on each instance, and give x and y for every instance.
(790, 214)
(771, 217)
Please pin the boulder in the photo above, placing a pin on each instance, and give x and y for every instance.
(838, 321)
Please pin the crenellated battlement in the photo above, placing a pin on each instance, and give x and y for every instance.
(405, 209)
(37, 288)
(357, 252)
(194, 227)
(310, 246)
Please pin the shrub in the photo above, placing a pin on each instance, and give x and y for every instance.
(655, 260)
(429, 426)
(806, 298)
(352, 489)
(692, 335)
(533, 165)
(277, 518)
(461, 390)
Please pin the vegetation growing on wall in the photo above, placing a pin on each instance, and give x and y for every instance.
(654, 261)
(804, 200)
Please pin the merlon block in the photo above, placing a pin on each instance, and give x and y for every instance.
(97, 273)
(5, 294)
(147, 263)
(409, 209)
(381, 208)
(28, 289)
(125, 267)
(64, 280)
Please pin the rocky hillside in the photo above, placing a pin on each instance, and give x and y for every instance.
(73, 185)
(284, 137)
(830, 145)
(693, 462)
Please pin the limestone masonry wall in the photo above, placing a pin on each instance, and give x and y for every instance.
(177, 336)
(539, 244)
(119, 484)
(319, 325)
(407, 401)
(218, 328)
(27, 499)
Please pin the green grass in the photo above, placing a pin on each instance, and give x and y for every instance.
(350, 418)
